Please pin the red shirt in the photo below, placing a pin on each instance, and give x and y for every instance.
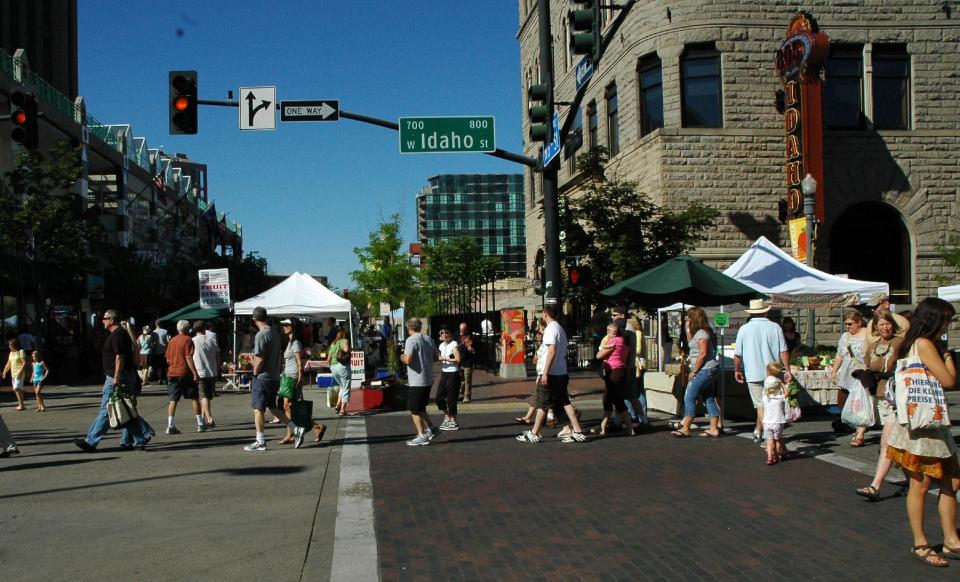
(179, 350)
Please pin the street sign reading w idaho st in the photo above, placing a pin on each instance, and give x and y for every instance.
(440, 135)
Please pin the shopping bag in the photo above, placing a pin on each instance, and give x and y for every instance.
(333, 393)
(301, 413)
(858, 411)
(121, 411)
(921, 402)
(793, 402)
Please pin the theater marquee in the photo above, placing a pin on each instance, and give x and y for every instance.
(799, 62)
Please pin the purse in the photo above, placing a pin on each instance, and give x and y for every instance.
(122, 408)
(921, 403)
(301, 412)
(343, 356)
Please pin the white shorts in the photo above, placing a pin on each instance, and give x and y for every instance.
(18, 382)
(773, 431)
(885, 411)
(756, 393)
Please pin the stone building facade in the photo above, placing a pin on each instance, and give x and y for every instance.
(891, 182)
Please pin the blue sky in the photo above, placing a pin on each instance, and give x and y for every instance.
(308, 193)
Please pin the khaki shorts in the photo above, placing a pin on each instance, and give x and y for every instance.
(756, 393)
(885, 411)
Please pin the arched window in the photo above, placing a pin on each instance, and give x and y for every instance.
(869, 241)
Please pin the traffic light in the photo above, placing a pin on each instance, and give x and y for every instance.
(585, 28)
(538, 109)
(24, 116)
(578, 276)
(183, 102)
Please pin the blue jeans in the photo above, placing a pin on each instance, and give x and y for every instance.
(101, 424)
(703, 384)
(638, 387)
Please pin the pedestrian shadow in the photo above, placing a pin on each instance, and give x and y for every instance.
(233, 471)
(47, 464)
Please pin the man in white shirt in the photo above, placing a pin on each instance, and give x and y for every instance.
(206, 357)
(552, 385)
(759, 342)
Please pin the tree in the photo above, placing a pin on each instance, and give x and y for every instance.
(619, 231)
(386, 275)
(455, 268)
(45, 232)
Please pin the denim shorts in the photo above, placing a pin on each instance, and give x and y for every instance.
(263, 393)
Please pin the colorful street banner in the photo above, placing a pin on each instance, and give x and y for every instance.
(798, 239)
(512, 335)
(214, 288)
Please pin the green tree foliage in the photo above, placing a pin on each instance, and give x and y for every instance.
(455, 268)
(619, 231)
(950, 253)
(385, 274)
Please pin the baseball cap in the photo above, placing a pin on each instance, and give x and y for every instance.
(286, 322)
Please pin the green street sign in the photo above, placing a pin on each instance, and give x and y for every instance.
(442, 135)
(721, 320)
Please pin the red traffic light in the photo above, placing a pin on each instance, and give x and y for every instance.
(575, 276)
(20, 118)
(181, 103)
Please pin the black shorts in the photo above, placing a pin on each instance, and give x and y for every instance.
(417, 399)
(263, 393)
(207, 387)
(554, 394)
(181, 387)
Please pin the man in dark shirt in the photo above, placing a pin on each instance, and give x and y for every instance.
(119, 368)
(468, 355)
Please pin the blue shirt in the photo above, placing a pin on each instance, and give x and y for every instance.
(759, 342)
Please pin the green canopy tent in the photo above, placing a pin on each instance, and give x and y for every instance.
(194, 311)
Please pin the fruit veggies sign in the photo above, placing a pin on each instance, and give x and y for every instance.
(799, 62)
(214, 288)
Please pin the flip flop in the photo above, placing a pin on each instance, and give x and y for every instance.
(709, 435)
(522, 420)
(319, 430)
(679, 435)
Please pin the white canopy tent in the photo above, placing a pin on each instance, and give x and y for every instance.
(299, 294)
(951, 293)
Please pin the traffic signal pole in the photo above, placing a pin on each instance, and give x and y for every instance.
(551, 215)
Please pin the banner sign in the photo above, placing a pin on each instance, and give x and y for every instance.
(798, 238)
(513, 335)
(214, 288)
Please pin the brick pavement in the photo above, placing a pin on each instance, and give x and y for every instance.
(477, 505)
(488, 388)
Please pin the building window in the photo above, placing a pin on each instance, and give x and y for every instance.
(613, 120)
(891, 87)
(701, 86)
(650, 74)
(843, 89)
(574, 140)
(592, 124)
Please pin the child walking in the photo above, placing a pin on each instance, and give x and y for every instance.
(40, 373)
(16, 365)
(774, 413)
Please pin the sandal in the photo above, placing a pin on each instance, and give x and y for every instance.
(597, 431)
(928, 557)
(856, 442)
(870, 492)
(708, 434)
(319, 430)
(285, 441)
(679, 434)
(950, 553)
(523, 420)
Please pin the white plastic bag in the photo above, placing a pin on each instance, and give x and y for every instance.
(858, 411)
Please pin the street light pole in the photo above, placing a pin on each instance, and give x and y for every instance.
(551, 219)
(809, 187)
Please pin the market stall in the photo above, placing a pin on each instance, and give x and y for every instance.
(950, 293)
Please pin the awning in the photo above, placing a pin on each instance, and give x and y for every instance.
(194, 311)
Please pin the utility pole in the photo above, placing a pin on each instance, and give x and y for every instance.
(551, 216)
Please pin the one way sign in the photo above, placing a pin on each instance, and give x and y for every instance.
(320, 110)
(258, 108)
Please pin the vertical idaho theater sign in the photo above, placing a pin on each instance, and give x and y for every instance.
(799, 62)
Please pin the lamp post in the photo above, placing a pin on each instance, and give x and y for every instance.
(809, 187)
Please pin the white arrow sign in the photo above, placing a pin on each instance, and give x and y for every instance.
(258, 108)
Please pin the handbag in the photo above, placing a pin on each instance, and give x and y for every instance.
(343, 356)
(122, 408)
(301, 412)
(921, 403)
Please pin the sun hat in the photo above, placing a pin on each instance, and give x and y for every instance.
(758, 306)
(771, 383)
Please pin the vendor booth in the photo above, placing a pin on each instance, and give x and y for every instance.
(789, 284)
(951, 293)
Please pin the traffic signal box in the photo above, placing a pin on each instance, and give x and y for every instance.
(183, 102)
(585, 28)
(24, 117)
(538, 110)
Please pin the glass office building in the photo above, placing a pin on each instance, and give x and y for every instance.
(488, 207)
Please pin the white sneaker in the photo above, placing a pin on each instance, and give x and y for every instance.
(449, 426)
(298, 437)
(420, 440)
(528, 437)
(256, 446)
(432, 432)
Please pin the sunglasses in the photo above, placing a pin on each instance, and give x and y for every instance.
(848, 323)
